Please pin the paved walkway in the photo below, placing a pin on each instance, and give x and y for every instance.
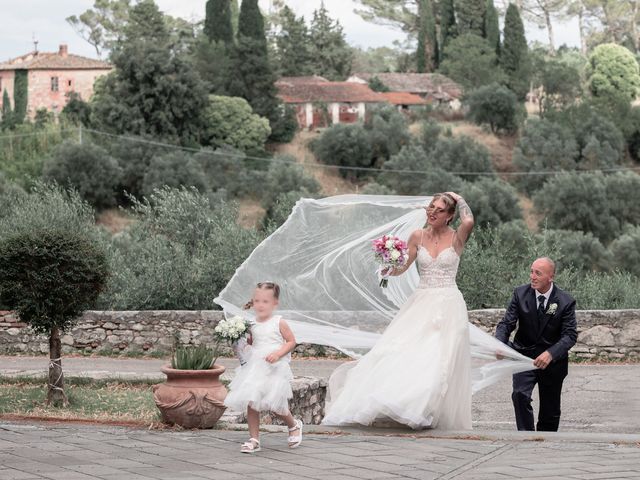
(77, 452)
(596, 398)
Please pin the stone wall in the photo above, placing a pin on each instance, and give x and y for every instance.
(604, 334)
(309, 394)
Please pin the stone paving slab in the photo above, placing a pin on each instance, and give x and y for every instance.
(41, 451)
(596, 398)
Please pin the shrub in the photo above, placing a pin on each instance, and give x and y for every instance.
(286, 177)
(53, 267)
(346, 146)
(600, 142)
(178, 255)
(412, 159)
(134, 158)
(492, 201)
(624, 197)
(471, 61)
(579, 250)
(87, 168)
(174, 169)
(232, 123)
(388, 132)
(227, 169)
(284, 129)
(374, 188)
(461, 154)
(585, 196)
(281, 207)
(613, 72)
(626, 251)
(544, 146)
(496, 106)
(430, 133)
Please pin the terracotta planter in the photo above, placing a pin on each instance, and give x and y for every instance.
(191, 398)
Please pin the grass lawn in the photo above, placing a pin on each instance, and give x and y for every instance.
(110, 400)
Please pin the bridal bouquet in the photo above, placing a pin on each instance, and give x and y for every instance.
(233, 331)
(390, 252)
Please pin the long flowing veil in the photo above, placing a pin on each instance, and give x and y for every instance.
(322, 258)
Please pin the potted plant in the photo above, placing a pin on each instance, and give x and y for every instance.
(193, 395)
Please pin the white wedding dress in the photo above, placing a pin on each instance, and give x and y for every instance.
(418, 373)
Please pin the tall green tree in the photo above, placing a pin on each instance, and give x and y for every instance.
(7, 114)
(102, 26)
(293, 45)
(470, 16)
(253, 79)
(427, 54)
(543, 12)
(448, 27)
(217, 22)
(20, 95)
(613, 73)
(514, 56)
(331, 53)
(153, 91)
(492, 26)
(471, 61)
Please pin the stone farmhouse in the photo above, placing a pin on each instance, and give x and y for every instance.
(50, 77)
(320, 103)
(436, 89)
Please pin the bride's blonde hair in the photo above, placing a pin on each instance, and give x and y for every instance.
(448, 201)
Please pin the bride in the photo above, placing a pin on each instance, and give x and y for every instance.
(418, 373)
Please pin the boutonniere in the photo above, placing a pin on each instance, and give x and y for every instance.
(552, 309)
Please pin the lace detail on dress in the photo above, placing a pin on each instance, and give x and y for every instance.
(438, 272)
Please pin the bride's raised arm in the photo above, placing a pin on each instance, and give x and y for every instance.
(412, 246)
(466, 222)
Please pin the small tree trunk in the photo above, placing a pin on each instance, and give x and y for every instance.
(547, 19)
(55, 392)
(583, 33)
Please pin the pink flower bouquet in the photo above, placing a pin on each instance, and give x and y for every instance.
(390, 252)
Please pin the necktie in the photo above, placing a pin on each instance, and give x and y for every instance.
(540, 305)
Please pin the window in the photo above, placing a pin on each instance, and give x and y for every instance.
(69, 82)
(54, 84)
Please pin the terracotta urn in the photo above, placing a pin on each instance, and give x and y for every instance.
(191, 398)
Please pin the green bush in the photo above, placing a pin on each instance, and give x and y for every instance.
(626, 251)
(346, 146)
(231, 123)
(286, 177)
(285, 127)
(188, 357)
(579, 250)
(573, 201)
(412, 158)
(461, 154)
(496, 106)
(174, 169)
(493, 201)
(430, 133)
(471, 61)
(53, 267)
(613, 72)
(178, 255)
(543, 146)
(87, 168)
(229, 170)
(388, 132)
(134, 158)
(374, 188)
(280, 208)
(624, 197)
(600, 142)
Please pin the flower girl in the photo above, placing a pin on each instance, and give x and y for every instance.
(264, 382)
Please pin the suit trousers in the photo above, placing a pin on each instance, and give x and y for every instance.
(549, 383)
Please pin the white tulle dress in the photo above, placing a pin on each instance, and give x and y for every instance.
(259, 384)
(418, 373)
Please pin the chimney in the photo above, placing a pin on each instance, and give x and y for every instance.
(63, 51)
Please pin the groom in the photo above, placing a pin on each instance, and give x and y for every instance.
(545, 317)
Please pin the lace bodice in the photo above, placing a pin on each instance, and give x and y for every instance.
(440, 271)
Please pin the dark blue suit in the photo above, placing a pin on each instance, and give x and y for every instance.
(553, 332)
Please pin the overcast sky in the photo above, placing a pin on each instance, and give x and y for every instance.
(45, 19)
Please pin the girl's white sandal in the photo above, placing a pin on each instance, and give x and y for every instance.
(295, 441)
(252, 446)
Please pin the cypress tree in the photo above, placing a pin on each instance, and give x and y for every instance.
(470, 16)
(20, 95)
(217, 22)
(294, 45)
(252, 77)
(7, 114)
(492, 26)
(448, 28)
(330, 51)
(427, 54)
(514, 56)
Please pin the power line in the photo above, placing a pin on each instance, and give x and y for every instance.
(242, 156)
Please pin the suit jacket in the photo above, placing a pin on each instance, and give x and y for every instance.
(555, 332)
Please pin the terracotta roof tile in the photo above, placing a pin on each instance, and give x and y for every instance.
(344, 92)
(421, 83)
(53, 61)
(404, 98)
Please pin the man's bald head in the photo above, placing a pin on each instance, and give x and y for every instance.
(543, 270)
